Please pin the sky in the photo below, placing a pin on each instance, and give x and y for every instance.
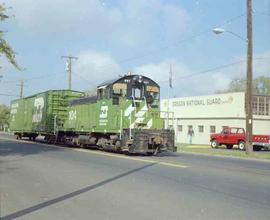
(112, 37)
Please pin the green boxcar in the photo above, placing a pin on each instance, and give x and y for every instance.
(41, 113)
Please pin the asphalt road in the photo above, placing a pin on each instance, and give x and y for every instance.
(48, 182)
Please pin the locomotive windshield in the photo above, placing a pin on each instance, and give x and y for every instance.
(138, 91)
(143, 90)
(152, 96)
(119, 89)
(135, 87)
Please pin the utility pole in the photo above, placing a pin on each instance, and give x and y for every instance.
(249, 114)
(21, 88)
(69, 67)
(168, 102)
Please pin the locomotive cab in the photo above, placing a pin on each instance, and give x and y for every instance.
(137, 98)
(133, 87)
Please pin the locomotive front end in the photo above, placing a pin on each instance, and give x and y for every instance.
(152, 141)
(143, 130)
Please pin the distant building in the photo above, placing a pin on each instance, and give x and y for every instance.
(209, 114)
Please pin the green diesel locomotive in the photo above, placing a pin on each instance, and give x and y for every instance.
(123, 116)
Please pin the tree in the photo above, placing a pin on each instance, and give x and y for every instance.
(5, 48)
(261, 85)
(4, 116)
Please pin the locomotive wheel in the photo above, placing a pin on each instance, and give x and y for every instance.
(118, 146)
(101, 143)
(157, 150)
(82, 146)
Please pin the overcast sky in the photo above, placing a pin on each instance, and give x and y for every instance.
(112, 37)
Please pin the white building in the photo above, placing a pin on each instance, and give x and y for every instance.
(209, 114)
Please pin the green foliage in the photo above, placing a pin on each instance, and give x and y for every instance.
(4, 116)
(5, 48)
(261, 85)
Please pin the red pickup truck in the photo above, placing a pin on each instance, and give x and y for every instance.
(230, 136)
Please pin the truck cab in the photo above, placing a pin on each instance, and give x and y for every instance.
(228, 136)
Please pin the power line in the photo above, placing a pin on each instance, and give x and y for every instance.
(85, 79)
(9, 95)
(264, 13)
(69, 61)
(154, 52)
(22, 85)
(206, 71)
(184, 40)
(34, 78)
(44, 76)
(214, 69)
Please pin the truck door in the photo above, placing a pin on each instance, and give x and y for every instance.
(240, 135)
(233, 136)
(225, 136)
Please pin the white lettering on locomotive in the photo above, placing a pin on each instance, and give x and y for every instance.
(103, 112)
(103, 115)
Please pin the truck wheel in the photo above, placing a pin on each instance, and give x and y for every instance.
(241, 145)
(229, 146)
(257, 148)
(214, 144)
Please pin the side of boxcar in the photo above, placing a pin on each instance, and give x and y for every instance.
(42, 113)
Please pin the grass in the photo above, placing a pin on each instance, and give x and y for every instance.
(222, 151)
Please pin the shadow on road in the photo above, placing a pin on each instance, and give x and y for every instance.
(71, 195)
(12, 148)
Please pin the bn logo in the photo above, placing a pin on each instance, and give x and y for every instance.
(103, 112)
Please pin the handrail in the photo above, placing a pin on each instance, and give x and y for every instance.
(121, 124)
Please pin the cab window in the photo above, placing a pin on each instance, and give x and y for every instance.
(137, 90)
(103, 93)
(118, 90)
(152, 96)
(225, 131)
